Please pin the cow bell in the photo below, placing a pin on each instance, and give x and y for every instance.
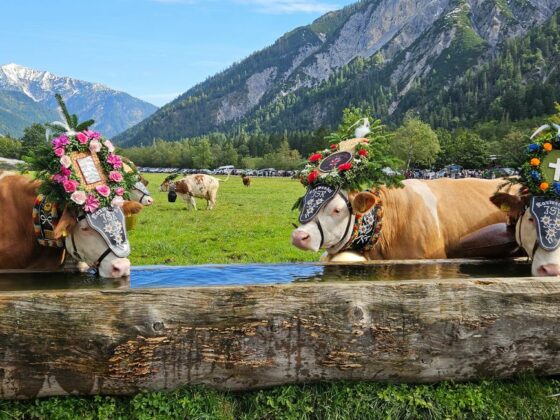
(171, 195)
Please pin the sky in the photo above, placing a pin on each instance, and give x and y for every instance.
(152, 49)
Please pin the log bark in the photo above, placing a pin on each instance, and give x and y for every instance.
(239, 338)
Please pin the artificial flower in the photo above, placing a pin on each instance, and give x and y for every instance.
(66, 161)
(334, 146)
(94, 146)
(78, 197)
(103, 190)
(535, 162)
(120, 191)
(91, 204)
(92, 134)
(315, 157)
(115, 176)
(59, 178)
(114, 160)
(70, 185)
(117, 202)
(345, 167)
(65, 171)
(543, 186)
(556, 188)
(59, 151)
(312, 177)
(109, 146)
(532, 148)
(60, 141)
(535, 175)
(82, 138)
(363, 152)
(547, 147)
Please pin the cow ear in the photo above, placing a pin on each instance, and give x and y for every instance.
(131, 207)
(363, 202)
(65, 224)
(144, 181)
(508, 203)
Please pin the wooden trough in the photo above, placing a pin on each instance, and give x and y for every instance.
(237, 338)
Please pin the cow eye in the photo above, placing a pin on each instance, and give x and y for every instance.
(84, 228)
(336, 211)
(531, 219)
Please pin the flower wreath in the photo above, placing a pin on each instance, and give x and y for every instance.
(57, 169)
(540, 173)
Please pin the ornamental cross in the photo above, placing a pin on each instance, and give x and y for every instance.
(556, 167)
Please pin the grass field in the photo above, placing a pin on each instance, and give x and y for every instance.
(247, 225)
(253, 225)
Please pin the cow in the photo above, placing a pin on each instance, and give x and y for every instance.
(527, 223)
(424, 219)
(19, 248)
(246, 180)
(140, 193)
(191, 186)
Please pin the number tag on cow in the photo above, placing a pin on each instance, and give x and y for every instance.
(546, 212)
(109, 222)
(314, 201)
(142, 188)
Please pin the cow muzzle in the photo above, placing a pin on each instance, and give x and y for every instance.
(116, 268)
(303, 240)
(549, 270)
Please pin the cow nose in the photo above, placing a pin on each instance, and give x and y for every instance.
(120, 268)
(549, 270)
(300, 238)
(148, 201)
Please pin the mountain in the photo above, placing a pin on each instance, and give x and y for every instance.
(27, 97)
(391, 55)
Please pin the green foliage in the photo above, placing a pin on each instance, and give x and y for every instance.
(522, 398)
(464, 148)
(33, 140)
(10, 148)
(416, 143)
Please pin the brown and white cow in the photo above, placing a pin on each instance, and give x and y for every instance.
(425, 219)
(191, 186)
(20, 250)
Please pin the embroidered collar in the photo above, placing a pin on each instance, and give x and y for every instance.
(45, 218)
(367, 228)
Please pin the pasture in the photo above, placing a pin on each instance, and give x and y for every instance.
(249, 224)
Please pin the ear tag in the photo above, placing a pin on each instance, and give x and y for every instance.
(64, 233)
(505, 208)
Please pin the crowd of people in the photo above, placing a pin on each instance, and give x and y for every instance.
(457, 173)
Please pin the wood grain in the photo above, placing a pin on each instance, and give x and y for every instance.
(238, 338)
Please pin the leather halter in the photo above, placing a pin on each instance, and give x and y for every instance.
(365, 236)
(142, 192)
(519, 242)
(349, 206)
(77, 255)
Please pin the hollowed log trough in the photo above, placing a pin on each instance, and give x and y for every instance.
(237, 338)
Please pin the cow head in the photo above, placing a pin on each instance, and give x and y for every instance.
(140, 193)
(85, 243)
(534, 220)
(327, 221)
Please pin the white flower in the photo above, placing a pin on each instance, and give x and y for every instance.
(109, 146)
(94, 146)
(117, 202)
(78, 197)
(66, 161)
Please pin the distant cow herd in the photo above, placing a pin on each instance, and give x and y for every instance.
(425, 219)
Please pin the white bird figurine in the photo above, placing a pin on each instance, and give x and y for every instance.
(363, 129)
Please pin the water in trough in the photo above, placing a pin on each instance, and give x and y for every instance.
(252, 274)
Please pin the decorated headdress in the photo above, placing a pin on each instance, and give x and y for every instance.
(351, 165)
(79, 167)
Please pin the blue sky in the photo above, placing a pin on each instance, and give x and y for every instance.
(152, 49)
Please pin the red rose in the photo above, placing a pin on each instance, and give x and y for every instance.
(363, 152)
(312, 177)
(315, 157)
(345, 167)
(334, 146)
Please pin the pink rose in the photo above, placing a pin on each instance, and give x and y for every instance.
(70, 185)
(66, 161)
(65, 171)
(103, 190)
(60, 141)
(114, 160)
(119, 191)
(82, 138)
(109, 146)
(59, 178)
(94, 146)
(117, 202)
(59, 151)
(115, 176)
(78, 197)
(91, 204)
(92, 134)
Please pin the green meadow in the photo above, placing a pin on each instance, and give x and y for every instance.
(254, 225)
(248, 224)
